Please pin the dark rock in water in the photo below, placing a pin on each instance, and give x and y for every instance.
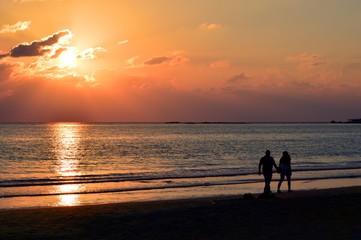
(354, 120)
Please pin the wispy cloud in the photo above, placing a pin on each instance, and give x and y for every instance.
(307, 60)
(210, 26)
(123, 42)
(175, 58)
(310, 64)
(23, 1)
(350, 74)
(131, 61)
(91, 53)
(304, 57)
(238, 78)
(19, 26)
(6, 69)
(220, 64)
(157, 60)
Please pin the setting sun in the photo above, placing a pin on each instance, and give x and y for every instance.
(68, 58)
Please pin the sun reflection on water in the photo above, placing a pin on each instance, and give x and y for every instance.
(68, 199)
(67, 137)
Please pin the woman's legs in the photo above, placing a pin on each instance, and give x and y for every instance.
(289, 182)
(280, 182)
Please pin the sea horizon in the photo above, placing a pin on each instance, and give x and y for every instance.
(178, 122)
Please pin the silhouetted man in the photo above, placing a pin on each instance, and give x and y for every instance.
(268, 163)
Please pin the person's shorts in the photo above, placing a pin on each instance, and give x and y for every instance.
(285, 171)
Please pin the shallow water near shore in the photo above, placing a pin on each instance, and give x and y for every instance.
(65, 164)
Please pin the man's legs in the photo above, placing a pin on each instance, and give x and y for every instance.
(267, 180)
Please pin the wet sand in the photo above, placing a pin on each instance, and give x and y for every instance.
(312, 214)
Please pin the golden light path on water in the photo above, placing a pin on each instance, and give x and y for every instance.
(67, 137)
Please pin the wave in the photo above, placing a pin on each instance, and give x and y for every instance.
(147, 176)
(170, 186)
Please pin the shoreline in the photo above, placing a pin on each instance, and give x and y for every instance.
(167, 194)
(326, 213)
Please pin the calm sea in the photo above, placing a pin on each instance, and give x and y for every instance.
(83, 163)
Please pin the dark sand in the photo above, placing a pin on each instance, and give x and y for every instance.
(316, 214)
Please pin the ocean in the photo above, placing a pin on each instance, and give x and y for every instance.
(66, 164)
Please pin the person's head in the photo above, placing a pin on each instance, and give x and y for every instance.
(268, 152)
(285, 153)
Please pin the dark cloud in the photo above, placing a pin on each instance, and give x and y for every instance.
(36, 48)
(58, 52)
(158, 60)
(318, 63)
(312, 64)
(237, 78)
(174, 58)
(353, 67)
(4, 55)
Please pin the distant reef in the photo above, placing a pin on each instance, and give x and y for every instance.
(355, 120)
(205, 122)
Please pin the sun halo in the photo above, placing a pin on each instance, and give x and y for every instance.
(68, 58)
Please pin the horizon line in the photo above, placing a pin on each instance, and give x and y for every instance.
(174, 122)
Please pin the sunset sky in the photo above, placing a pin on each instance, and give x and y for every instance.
(181, 60)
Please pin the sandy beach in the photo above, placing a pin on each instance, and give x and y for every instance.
(313, 214)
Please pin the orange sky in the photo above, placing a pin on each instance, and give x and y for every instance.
(201, 60)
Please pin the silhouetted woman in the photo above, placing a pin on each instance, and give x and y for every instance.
(285, 170)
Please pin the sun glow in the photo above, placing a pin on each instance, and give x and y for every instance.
(68, 58)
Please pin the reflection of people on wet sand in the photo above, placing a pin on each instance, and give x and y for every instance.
(267, 162)
(285, 170)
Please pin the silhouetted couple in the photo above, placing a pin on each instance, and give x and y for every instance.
(267, 163)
